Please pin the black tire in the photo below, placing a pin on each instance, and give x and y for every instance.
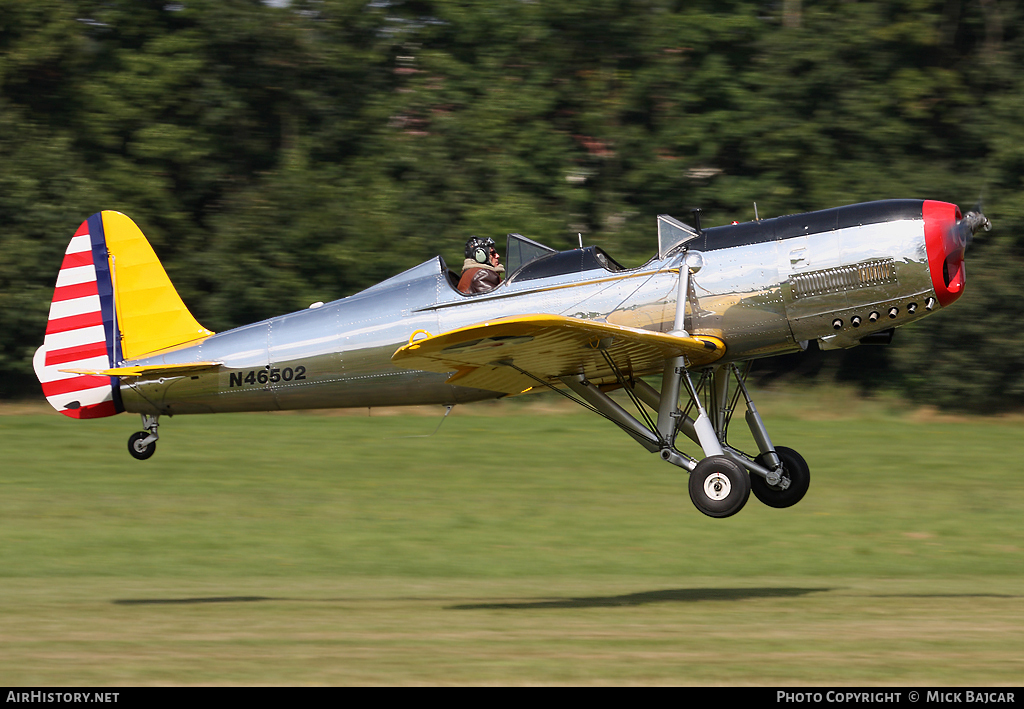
(794, 467)
(719, 487)
(138, 452)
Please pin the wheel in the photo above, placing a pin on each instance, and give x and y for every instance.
(794, 468)
(719, 487)
(139, 451)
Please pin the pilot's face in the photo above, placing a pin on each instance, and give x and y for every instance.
(495, 258)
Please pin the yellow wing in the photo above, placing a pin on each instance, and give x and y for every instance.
(490, 355)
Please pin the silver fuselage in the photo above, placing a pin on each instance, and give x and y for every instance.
(765, 288)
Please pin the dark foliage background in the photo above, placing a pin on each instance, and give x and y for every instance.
(281, 153)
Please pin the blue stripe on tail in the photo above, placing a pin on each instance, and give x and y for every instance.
(105, 289)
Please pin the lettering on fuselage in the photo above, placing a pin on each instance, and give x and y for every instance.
(264, 375)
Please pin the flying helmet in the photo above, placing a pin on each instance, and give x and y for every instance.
(479, 249)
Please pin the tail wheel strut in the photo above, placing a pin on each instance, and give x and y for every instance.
(142, 445)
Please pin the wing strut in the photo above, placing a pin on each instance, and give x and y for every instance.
(595, 400)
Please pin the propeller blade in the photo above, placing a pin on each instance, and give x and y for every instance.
(971, 223)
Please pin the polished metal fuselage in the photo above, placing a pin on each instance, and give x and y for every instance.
(762, 295)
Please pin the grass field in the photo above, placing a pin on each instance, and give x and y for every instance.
(523, 544)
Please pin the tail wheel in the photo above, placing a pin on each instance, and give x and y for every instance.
(137, 449)
(719, 487)
(794, 470)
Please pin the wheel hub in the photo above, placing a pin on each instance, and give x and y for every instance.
(717, 487)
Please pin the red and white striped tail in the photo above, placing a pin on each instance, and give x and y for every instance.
(77, 335)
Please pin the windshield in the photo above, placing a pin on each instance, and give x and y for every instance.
(672, 233)
(563, 263)
(521, 251)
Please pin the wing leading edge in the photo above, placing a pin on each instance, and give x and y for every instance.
(511, 354)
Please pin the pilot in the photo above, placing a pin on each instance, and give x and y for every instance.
(481, 270)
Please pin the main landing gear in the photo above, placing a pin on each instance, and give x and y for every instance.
(719, 487)
(721, 481)
(142, 445)
(793, 481)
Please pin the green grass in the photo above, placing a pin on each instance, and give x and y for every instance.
(526, 547)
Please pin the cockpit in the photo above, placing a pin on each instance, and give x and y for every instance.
(526, 259)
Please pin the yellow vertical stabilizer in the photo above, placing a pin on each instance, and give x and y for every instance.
(150, 314)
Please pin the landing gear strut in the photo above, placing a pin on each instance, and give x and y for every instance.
(778, 477)
(722, 479)
(142, 445)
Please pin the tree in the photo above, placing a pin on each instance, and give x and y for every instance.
(280, 154)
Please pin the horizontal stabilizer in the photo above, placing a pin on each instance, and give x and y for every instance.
(511, 354)
(150, 370)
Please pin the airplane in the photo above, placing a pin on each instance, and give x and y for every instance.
(698, 313)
